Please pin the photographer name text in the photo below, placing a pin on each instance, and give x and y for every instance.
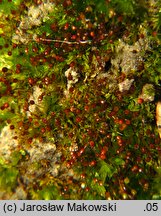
(69, 207)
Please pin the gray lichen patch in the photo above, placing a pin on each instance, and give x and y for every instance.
(7, 142)
(40, 151)
(44, 158)
(127, 57)
(40, 155)
(35, 16)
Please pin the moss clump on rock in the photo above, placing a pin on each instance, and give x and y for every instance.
(78, 86)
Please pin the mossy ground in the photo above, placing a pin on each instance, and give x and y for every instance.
(81, 109)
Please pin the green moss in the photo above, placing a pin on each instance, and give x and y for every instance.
(9, 172)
